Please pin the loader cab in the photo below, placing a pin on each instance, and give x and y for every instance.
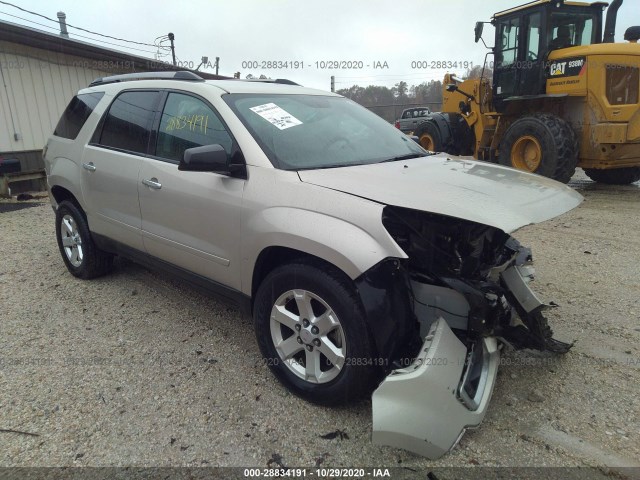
(526, 35)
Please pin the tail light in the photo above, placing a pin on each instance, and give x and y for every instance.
(397, 124)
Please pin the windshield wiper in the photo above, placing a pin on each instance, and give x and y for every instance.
(405, 157)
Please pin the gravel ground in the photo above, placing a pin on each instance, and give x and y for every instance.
(136, 369)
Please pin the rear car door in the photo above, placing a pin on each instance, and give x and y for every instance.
(191, 219)
(111, 163)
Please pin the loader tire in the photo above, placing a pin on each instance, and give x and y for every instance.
(446, 132)
(429, 136)
(615, 176)
(543, 144)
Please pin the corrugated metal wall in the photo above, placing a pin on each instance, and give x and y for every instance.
(36, 87)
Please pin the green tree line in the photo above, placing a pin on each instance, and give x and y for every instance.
(389, 102)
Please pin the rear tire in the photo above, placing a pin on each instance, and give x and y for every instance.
(542, 144)
(614, 176)
(81, 256)
(312, 333)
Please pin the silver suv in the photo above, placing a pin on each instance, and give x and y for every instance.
(366, 262)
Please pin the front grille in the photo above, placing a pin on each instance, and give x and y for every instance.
(622, 84)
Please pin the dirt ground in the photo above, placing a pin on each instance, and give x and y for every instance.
(136, 369)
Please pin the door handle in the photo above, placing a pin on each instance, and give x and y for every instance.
(89, 166)
(152, 183)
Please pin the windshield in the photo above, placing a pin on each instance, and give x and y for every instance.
(299, 132)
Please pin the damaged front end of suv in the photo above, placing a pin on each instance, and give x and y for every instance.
(468, 287)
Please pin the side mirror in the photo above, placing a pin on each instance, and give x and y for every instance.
(213, 158)
(452, 87)
(478, 30)
(208, 158)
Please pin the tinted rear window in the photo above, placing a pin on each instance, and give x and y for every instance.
(127, 125)
(76, 114)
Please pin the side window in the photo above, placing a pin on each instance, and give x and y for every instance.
(127, 125)
(188, 122)
(587, 32)
(533, 37)
(509, 32)
(76, 114)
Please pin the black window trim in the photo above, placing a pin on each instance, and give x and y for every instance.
(155, 124)
(97, 133)
(153, 139)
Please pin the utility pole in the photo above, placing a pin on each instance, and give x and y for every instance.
(333, 83)
(217, 64)
(173, 50)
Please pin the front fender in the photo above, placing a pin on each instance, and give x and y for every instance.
(347, 246)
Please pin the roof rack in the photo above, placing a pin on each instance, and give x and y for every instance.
(283, 81)
(179, 75)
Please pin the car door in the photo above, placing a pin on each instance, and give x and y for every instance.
(111, 163)
(191, 219)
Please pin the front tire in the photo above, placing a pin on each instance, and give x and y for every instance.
(542, 144)
(429, 137)
(614, 176)
(312, 333)
(81, 256)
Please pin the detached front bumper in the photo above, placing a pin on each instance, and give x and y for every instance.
(426, 407)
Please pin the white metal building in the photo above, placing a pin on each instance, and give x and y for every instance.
(39, 73)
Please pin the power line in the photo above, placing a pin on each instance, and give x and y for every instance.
(158, 42)
(77, 28)
(76, 34)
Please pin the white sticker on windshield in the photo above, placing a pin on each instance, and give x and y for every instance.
(277, 116)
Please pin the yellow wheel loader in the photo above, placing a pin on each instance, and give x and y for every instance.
(563, 94)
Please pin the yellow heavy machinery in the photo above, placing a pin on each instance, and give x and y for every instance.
(563, 94)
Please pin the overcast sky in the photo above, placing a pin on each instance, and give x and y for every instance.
(305, 31)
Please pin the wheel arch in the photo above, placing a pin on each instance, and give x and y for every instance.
(362, 252)
(284, 233)
(274, 256)
(60, 194)
(64, 181)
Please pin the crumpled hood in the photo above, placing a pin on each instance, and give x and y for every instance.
(481, 192)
